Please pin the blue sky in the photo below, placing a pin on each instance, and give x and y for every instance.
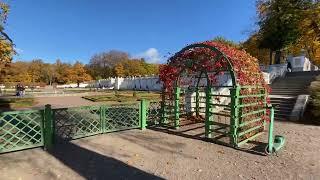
(77, 29)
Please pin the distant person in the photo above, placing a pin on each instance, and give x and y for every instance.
(289, 66)
(20, 90)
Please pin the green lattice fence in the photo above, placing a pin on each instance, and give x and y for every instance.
(121, 117)
(27, 129)
(153, 113)
(77, 122)
(21, 130)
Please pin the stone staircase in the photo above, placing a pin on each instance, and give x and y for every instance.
(285, 91)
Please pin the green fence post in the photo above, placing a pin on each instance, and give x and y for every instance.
(209, 115)
(143, 114)
(48, 127)
(234, 121)
(176, 107)
(270, 135)
(103, 118)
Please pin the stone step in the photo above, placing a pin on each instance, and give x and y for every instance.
(285, 91)
(284, 104)
(278, 115)
(285, 94)
(304, 73)
(292, 85)
(287, 112)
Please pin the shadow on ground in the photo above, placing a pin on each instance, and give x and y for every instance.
(256, 147)
(92, 165)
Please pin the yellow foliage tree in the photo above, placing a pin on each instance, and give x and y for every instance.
(17, 72)
(309, 40)
(78, 74)
(119, 70)
(6, 44)
(251, 46)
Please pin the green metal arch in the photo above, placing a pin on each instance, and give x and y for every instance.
(212, 48)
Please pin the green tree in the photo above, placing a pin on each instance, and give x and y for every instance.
(278, 22)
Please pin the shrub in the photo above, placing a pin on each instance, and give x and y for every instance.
(315, 98)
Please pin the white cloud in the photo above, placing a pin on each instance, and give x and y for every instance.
(151, 55)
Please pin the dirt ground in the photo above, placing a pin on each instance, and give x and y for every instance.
(151, 154)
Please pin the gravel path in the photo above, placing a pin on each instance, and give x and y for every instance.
(151, 154)
(67, 101)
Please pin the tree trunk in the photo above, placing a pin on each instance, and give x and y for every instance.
(277, 57)
(270, 56)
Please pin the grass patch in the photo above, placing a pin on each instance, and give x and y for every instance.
(12, 103)
(121, 96)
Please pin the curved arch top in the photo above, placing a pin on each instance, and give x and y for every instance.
(214, 49)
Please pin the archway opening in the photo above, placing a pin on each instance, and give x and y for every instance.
(218, 86)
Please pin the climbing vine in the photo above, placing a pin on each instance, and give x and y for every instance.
(199, 59)
(214, 59)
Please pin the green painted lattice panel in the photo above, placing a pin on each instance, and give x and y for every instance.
(78, 122)
(153, 113)
(121, 117)
(21, 130)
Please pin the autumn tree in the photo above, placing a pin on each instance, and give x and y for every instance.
(78, 74)
(102, 64)
(119, 70)
(61, 72)
(6, 44)
(278, 24)
(17, 72)
(48, 73)
(251, 46)
(151, 69)
(309, 39)
(35, 70)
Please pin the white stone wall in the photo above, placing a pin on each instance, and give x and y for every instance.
(271, 72)
(151, 83)
(74, 85)
(302, 63)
